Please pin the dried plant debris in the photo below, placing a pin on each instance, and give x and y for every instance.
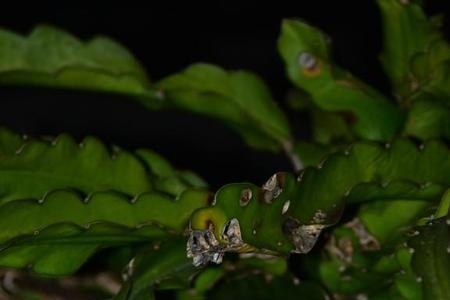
(367, 241)
(304, 237)
(203, 246)
(273, 187)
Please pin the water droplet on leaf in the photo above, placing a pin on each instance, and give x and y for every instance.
(20, 149)
(285, 208)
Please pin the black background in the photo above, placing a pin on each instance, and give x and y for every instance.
(166, 37)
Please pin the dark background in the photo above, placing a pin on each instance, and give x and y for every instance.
(166, 37)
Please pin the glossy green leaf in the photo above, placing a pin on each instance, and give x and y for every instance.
(350, 263)
(428, 119)
(165, 177)
(30, 168)
(189, 294)
(408, 286)
(411, 42)
(431, 259)
(405, 281)
(149, 270)
(360, 254)
(369, 254)
(312, 154)
(389, 221)
(256, 287)
(146, 294)
(305, 51)
(327, 127)
(239, 98)
(208, 278)
(287, 214)
(270, 265)
(61, 249)
(431, 72)
(351, 282)
(388, 188)
(444, 207)
(51, 57)
(57, 234)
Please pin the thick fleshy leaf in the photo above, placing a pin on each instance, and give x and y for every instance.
(431, 259)
(353, 264)
(210, 278)
(388, 221)
(428, 119)
(351, 280)
(360, 254)
(312, 154)
(149, 270)
(287, 214)
(257, 287)
(305, 51)
(60, 249)
(407, 287)
(207, 279)
(29, 168)
(327, 127)
(165, 177)
(431, 71)
(411, 42)
(406, 282)
(367, 253)
(444, 207)
(52, 57)
(57, 234)
(239, 98)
